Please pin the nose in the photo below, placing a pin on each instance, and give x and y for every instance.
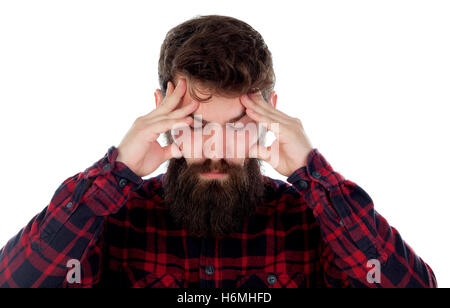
(214, 146)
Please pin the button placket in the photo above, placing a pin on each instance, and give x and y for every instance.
(316, 175)
(272, 279)
(106, 167)
(303, 184)
(123, 183)
(209, 270)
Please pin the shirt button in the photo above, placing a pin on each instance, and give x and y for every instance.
(272, 279)
(106, 167)
(316, 175)
(303, 184)
(69, 205)
(123, 183)
(209, 270)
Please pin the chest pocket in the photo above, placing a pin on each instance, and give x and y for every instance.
(160, 280)
(271, 280)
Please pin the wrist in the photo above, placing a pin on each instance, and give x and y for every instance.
(302, 162)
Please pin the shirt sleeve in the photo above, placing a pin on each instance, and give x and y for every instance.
(358, 241)
(69, 228)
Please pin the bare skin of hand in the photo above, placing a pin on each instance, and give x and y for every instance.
(292, 145)
(139, 149)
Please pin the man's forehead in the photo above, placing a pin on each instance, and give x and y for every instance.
(217, 109)
(220, 110)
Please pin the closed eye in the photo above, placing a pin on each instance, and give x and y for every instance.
(197, 127)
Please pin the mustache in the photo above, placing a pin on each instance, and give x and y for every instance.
(210, 165)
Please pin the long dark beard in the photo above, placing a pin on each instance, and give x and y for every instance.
(211, 208)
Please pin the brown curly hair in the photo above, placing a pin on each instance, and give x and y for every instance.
(224, 55)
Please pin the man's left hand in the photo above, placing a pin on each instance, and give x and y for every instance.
(290, 150)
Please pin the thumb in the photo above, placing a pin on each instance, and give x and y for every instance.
(171, 151)
(260, 152)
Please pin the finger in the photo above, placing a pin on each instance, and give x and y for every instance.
(171, 151)
(169, 91)
(268, 154)
(172, 100)
(184, 111)
(259, 100)
(158, 96)
(263, 119)
(249, 103)
(164, 125)
(260, 152)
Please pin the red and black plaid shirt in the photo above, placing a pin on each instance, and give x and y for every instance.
(321, 231)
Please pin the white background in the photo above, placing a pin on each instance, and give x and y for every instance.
(369, 79)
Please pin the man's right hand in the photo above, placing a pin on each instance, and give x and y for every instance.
(139, 149)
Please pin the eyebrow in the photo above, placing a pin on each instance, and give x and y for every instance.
(204, 122)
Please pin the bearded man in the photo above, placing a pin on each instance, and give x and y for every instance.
(213, 219)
